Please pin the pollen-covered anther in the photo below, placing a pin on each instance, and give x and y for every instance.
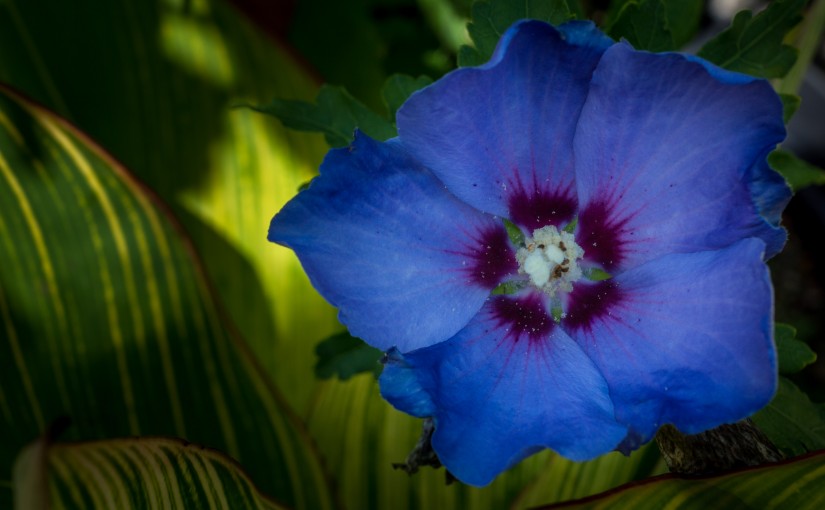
(550, 258)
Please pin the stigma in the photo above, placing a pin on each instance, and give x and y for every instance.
(551, 260)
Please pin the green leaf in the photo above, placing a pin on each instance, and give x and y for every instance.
(134, 473)
(335, 113)
(794, 423)
(345, 356)
(797, 172)
(399, 87)
(490, 19)
(106, 317)
(644, 23)
(790, 104)
(797, 484)
(753, 44)
(793, 354)
(683, 17)
(174, 72)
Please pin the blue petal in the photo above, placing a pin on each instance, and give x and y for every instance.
(769, 190)
(508, 385)
(406, 263)
(685, 339)
(499, 136)
(670, 158)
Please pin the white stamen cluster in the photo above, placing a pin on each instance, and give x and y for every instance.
(550, 259)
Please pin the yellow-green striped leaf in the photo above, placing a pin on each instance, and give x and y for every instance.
(798, 484)
(135, 473)
(350, 414)
(105, 317)
(154, 82)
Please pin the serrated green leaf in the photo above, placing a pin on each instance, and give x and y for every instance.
(753, 44)
(797, 484)
(683, 17)
(644, 24)
(135, 473)
(490, 19)
(399, 87)
(794, 423)
(345, 356)
(106, 316)
(793, 354)
(797, 172)
(790, 104)
(335, 113)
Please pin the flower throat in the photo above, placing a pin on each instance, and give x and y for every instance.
(550, 258)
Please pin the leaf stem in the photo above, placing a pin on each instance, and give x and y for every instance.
(810, 35)
(717, 450)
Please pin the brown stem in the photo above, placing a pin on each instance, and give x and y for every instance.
(717, 450)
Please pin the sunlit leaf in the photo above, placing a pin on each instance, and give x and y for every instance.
(157, 83)
(797, 484)
(136, 473)
(106, 318)
(753, 44)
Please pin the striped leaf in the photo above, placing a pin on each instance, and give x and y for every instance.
(105, 317)
(798, 484)
(136, 473)
(349, 415)
(155, 82)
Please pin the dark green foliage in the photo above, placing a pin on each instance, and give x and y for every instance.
(794, 423)
(345, 356)
(790, 104)
(335, 113)
(793, 354)
(797, 172)
(399, 87)
(654, 25)
(753, 44)
(644, 23)
(491, 19)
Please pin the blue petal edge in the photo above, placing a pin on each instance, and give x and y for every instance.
(576, 32)
(400, 386)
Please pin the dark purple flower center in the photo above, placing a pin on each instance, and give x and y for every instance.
(523, 317)
(493, 258)
(601, 235)
(590, 302)
(540, 207)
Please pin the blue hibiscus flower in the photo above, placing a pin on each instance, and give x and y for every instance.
(649, 168)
